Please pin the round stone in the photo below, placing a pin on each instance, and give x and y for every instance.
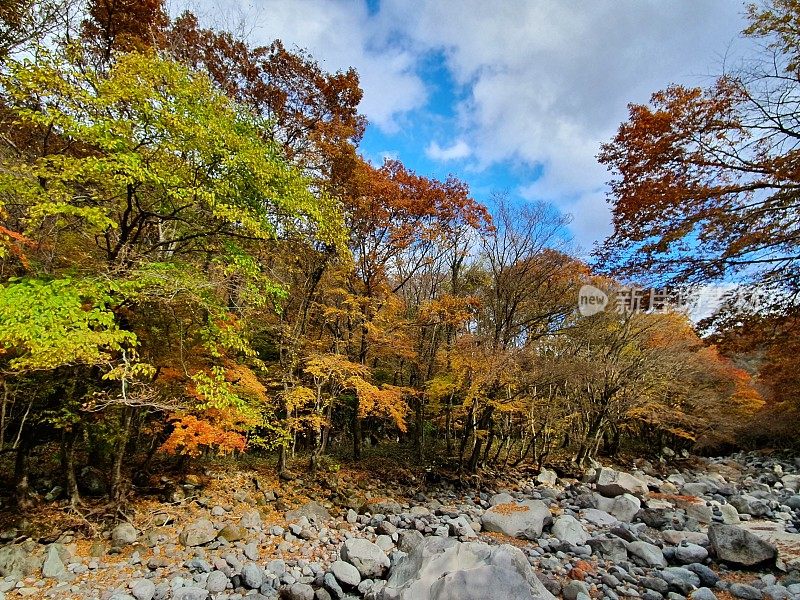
(143, 589)
(252, 576)
(346, 573)
(217, 582)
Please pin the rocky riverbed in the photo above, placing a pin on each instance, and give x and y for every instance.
(698, 528)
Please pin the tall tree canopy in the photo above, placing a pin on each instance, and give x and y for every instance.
(141, 203)
(706, 188)
(195, 259)
(706, 180)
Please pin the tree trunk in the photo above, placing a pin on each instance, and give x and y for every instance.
(3, 410)
(525, 452)
(589, 443)
(281, 466)
(419, 430)
(482, 425)
(614, 442)
(18, 439)
(21, 481)
(316, 451)
(468, 429)
(357, 433)
(68, 464)
(283, 415)
(117, 484)
(512, 443)
(472, 465)
(448, 425)
(488, 448)
(545, 451)
(504, 443)
(580, 455)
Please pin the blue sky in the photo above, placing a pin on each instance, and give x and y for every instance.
(511, 96)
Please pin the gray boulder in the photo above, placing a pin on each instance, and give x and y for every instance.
(313, 511)
(198, 533)
(20, 560)
(276, 567)
(332, 587)
(568, 529)
(14, 562)
(252, 576)
(346, 573)
(190, 593)
(460, 527)
(382, 506)
(365, 556)
(680, 580)
(695, 508)
(598, 517)
(444, 569)
(143, 589)
(703, 593)
(748, 505)
(609, 547)
(746, 592)
(217, 582)
(793, 502)
(408, 539)
(53, 566)
(791, 482)
(501, 498)
(251, 551)
(646, 554)
(730, 516)
(688, 553)
(676, 479)
(777, 592)
(251, 519)
(708, 578)
(624, 507)
(547, 477)
(695, 489)
(124, 534)
(574, 589)
(736, 545)
(517, 519)
(298, 591)
(612, 483)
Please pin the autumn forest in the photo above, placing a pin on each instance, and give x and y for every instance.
(196, 261)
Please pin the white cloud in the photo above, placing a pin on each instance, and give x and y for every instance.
(338, 34)
(458, 150)
(547, 82)
(543, 83)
